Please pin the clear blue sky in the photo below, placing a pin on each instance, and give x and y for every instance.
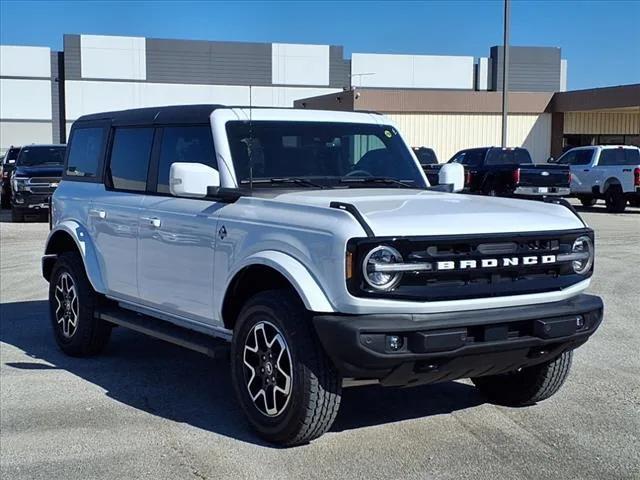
(600, 39)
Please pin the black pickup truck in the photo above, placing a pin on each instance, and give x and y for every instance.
(36, 176)
(429, 163)
(499, 171)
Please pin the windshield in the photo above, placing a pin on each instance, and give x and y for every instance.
(35, 156)
(326, 153)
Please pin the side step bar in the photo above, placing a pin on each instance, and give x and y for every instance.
(183, 337)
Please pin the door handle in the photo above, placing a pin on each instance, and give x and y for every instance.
(585, 170)
(98, 213)
(152, 221)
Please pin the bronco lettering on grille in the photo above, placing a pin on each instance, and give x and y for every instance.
(496, 262)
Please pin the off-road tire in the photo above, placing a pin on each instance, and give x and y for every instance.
(587, 201)
(91, 334)
(17, 216)
(528, 385)
(316, 386)
(614, 198)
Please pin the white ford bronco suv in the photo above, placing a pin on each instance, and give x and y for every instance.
(311, 242)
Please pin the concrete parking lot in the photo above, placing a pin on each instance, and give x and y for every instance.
(147, 409)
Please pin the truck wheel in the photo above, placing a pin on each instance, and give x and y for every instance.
(587, 201)
(614, 198)
(528, 385)
(286, 384)
(72, 301)
(17, 215)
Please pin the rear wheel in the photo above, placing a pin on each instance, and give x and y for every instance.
(527, 385)
(72, 302)
(614, 198)
(587, 201)
(286, 385)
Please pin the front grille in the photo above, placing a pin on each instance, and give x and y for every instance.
(477, 282)
(41, 190)
(42, 185)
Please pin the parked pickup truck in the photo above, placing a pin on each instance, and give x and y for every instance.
(310, 241)
(498, 171)
(429, 163)
(611, 172)
(36, 176)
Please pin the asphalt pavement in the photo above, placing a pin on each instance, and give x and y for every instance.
(145, 409)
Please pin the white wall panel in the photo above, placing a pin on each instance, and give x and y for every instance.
(24, 133)
(411, 71)
(285, 96)
(293, 64)
(18, 61)
(25, 99)
(448, 133)
(484, 74)
(121, 58)
(83, 97)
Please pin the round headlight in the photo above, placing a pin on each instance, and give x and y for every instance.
(373, 267)
(583, 251)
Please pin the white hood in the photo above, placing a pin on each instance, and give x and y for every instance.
(399, 212)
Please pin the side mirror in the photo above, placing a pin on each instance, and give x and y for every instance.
(192, 179)
(452, 174)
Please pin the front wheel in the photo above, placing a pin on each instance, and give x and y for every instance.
(527, 385)
(587, 201)
(17, 215)
(72, 301)
(286, 384)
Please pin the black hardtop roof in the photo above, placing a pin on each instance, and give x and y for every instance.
(156, 115)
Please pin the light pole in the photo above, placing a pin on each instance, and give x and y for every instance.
(505, 72)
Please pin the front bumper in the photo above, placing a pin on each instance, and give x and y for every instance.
(30, 202)
(542, 191)
(446, 346)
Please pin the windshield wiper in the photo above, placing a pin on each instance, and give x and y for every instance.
(385, 180)
(295, 180)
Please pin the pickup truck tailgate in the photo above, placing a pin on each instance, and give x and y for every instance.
(543, 176)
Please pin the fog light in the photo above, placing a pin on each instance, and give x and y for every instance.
(579, 322)
(394, 342)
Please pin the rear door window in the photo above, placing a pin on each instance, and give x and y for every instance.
(85, 152)
(612, 156)
(190, 144)
(129, 162)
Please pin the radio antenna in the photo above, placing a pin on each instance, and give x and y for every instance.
(250, 144)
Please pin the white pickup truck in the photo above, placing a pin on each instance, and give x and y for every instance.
(611, 172)
(312, 243)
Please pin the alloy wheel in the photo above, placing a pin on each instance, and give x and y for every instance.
(267, 368)
(67, 306)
